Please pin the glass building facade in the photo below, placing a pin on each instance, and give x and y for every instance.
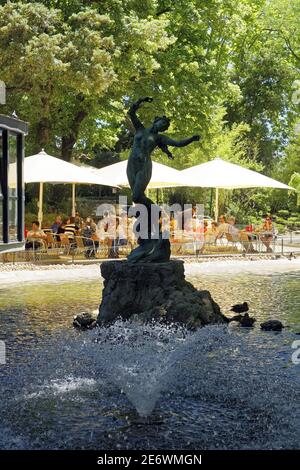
(12, 136)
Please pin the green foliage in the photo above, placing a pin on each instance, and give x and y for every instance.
(72, 78)
(295, 183)
(67, 74)
(227, 70)
(283, 213)
(282, 20)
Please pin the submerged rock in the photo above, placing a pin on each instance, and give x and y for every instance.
(84, 321)
(272, 325)
(154, 291)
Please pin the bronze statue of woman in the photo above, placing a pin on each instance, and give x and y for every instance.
(139, 172)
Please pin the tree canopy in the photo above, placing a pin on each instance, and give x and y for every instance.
(227, 70)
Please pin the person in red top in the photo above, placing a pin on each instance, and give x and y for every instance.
(267, 233)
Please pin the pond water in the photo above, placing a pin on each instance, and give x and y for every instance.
(219, 387)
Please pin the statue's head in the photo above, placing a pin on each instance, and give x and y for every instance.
(161, 123)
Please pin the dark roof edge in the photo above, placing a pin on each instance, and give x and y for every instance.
(13, 124)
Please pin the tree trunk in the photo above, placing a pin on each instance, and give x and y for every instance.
(67, 145)
(44, 125)
(68, 141)
(42, 134)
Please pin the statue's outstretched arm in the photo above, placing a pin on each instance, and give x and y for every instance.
(165, 149)
(164, 141)
(133, 109)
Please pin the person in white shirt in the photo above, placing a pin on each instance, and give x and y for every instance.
(240, 236)
(232, 230)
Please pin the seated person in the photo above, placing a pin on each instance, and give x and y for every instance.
(90, 237)
(35, 237)
(267, 225)
(267, 234)
(240, 236)
(71, 229)
(122, 229)
(212, 232)
(223, 226)
(57, 223)
(130, 231)
(101, 230)
(232, 229)
(209, 236)
(61, 228)
(78, 219)
(107, 231)
(200, 228)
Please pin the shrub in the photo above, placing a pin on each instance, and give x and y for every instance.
(283, 213)
(281, 221)
(281, 228)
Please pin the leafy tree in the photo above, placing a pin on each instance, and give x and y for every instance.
(264, 75)
(282, 21)
(227, 70)
(178, 52)
(295, 183)
(51, 75)
(62, 72)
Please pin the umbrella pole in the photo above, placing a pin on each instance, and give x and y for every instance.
(217, 205)
(40, 213)
(211, 202)
(73, 200)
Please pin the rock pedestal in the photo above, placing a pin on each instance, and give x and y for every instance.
(154, 291)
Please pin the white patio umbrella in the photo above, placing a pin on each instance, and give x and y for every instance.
(43, 168)
(163, 176)
(221, 174)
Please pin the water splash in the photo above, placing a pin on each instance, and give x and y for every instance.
(214, 388)
(140, 360)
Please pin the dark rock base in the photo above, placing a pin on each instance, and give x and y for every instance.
(154, 291)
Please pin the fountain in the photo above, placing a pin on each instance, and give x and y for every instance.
(218, 387)
(154, 291)
(150, 286)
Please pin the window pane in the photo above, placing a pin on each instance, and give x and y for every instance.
(13, 219)
(1, 220)
(12, 169)
(1, 197)
(12, 189)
